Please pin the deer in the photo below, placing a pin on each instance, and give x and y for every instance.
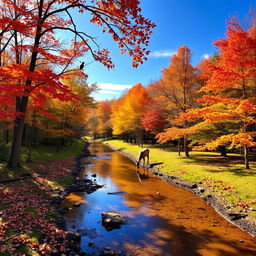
(143, 154)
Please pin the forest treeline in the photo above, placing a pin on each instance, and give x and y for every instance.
(208, 107)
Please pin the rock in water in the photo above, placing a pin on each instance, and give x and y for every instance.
(113, 220)
(109, 252)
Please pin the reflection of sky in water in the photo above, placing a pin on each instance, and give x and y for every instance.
(162, 219)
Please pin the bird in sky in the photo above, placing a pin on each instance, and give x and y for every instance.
(82, 66)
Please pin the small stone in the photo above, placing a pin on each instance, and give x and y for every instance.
(94, 175)
(200, 190)
(193, 185)
(112, 220)
(77, 204)
(158, 193)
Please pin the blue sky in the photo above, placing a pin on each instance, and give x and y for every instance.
(195, 23)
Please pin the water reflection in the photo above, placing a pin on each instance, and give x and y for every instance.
(162, 219)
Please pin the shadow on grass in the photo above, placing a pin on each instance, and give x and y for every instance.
(230, 163)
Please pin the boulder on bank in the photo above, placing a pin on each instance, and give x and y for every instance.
(113, 220)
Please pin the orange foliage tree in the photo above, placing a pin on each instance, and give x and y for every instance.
(230, 92)
(30, 27)
(127, 112)
(178, 89)
(103, 114)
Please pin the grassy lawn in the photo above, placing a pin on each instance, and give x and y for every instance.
(224, 176)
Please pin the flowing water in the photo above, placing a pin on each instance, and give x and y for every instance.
(163, 219)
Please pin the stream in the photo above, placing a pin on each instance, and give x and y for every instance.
(163, 219)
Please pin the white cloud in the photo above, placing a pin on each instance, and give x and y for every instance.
(161, 54)
(109, 92)
(113, 87)
(206, 56)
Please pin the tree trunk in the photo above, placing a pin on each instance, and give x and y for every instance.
(179, 146)
(24, 140)
(222, 150)
(246, 160)
(21, 105)
(59, 145)
(186, 147)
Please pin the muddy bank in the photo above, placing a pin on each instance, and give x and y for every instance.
(243, 221)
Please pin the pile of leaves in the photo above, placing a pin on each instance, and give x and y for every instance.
(27, 218)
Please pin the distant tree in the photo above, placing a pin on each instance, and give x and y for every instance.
(154, 120)
(178, 88)
(103, 114)
(127, 112)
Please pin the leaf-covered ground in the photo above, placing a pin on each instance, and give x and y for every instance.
(27, 216)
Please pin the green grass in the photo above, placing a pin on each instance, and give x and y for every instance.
(44, 154)
(48, 153)
(204, 165)
(64, 182)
